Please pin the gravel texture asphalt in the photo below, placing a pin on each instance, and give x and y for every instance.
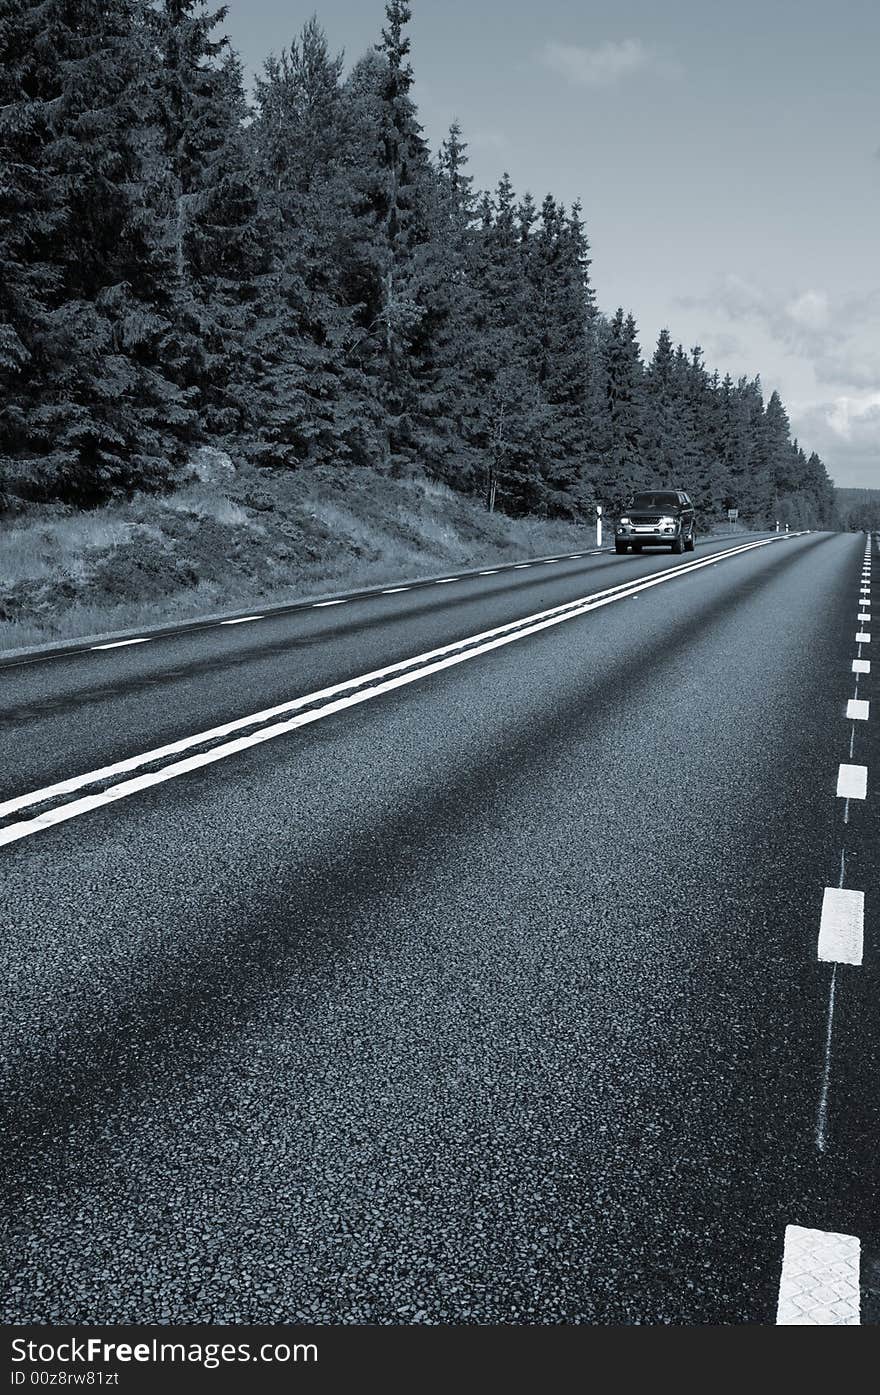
(494, 999)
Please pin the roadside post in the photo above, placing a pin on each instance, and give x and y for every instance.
(786, 527)
(732, 516)
(777, 525)
(598, 525)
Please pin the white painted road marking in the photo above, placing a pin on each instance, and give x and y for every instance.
(857, 710)
(319, 605)
(394, 590)
(446, 580)
(397, 675)
(242, 620)
(819, 1284)
(852, 782)
(121, 643)
(490, 573)
(862, 637)
(861, 666)
(841, 927)
(863, 618)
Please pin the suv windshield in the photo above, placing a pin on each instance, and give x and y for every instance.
(654, 501)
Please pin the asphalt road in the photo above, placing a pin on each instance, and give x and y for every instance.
(493, 997)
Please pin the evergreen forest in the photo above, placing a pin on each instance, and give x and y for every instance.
(293, 275)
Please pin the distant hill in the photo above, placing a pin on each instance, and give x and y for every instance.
(858, 508)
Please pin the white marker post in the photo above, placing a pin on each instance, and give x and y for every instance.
(777, 525)
(598, 525)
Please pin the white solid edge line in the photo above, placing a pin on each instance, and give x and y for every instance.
(820, 1281)
(517, 629)
(852, 782)
(241, 620)
(858, 710)
(121, 643)
(841, 926)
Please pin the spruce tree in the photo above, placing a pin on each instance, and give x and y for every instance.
(663, 424)
(91, 409)
(308, 338)
(624, 467)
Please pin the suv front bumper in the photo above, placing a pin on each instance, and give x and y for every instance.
(648, 535)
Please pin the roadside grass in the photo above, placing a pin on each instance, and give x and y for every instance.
(253, 539)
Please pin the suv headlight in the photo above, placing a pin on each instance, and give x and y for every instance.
(624, 520)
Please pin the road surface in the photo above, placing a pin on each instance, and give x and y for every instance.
(483, 987)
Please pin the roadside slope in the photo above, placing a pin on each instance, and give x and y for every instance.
(250, 536)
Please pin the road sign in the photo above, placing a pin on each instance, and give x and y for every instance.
(732, 515)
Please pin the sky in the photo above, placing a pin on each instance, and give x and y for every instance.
(727, 158)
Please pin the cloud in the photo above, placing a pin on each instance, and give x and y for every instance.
(810, 310)
(821, 350)
(853, 418)
(606, 63)
(808, 322)
(845, 430)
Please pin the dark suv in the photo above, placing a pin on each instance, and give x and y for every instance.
(657, 516)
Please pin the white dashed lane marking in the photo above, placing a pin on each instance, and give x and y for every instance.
(395, 590)
(852, 781)
(319, 605)
(861, 666)
(819, 1284)
(841, 926)
(121, 643)
(446, 581)
(862, 637)
(242, 620)
(857, 710)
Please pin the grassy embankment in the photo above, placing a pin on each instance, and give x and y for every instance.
(253, 539)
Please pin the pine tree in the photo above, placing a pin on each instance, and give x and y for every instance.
(562, 312)
(211, 215)
(399, 206)
(308, 334)
(624, 467)
(510, 402)
(663, 426)
(91, 410)
(444, 347)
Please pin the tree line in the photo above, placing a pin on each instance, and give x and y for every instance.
(297, 279)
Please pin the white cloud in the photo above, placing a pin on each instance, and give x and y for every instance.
(605, 64)
(855, 418)
(823, 354)
(809, 309)
(846, 432)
